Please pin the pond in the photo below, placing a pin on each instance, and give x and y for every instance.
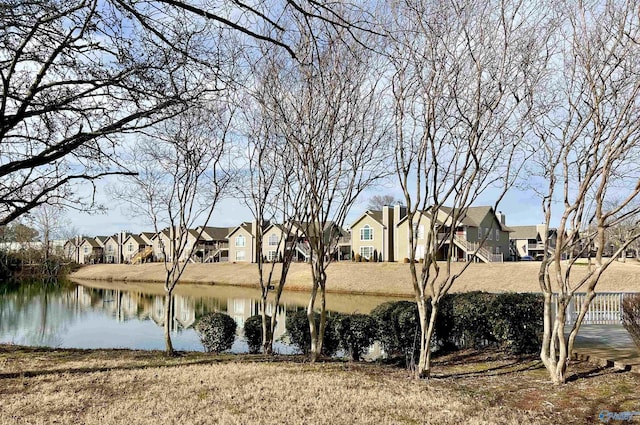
(92, 314)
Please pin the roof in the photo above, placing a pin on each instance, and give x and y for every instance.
(473, 217)
(92, 242)
(374, 214)
(216, 233)
(524, 232)
(245, 225)
(137, 239)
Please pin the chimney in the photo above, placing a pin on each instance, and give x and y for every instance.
(388, 222)
(501, 217)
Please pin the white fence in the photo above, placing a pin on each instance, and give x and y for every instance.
(605, 308)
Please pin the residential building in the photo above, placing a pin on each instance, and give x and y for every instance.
(373, 233)
(480, 235)
(530, 240)
(213, 245)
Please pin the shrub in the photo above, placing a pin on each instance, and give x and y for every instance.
(470, 316)
(631, 316)
(217, 331)
(516, 321)
(397, 323)
(405, 260)
(253, 332)
(358, 258)
(356, 332)
(297, 326)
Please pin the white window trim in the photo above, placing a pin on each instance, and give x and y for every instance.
(273, 239)
(371, 251)
(244, 242)
(272, 255)
(366, 226)
(240, 255)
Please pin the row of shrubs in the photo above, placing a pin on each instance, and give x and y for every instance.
(474, 319)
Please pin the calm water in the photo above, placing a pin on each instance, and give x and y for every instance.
(120, 315)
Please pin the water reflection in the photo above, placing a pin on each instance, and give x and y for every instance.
(120, 315)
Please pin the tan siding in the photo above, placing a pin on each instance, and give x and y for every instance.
(378, 232)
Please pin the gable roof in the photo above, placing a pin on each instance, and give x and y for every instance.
(244, 225)
(215, 233)
(473, 217)
(137, 239)
(374, 214)
(92, 242)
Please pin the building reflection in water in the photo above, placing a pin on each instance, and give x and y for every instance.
(40, 315)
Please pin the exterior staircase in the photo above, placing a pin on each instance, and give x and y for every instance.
(142, 255)
(304, 249)
(474, 248)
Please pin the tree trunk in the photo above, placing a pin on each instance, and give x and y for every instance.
(424, 365)
(167, 324)
(312, 323)
(267, 335)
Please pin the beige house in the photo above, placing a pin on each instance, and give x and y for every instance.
(480, 235)
(91, 250)
(530, 240)
(213, 245)
(242, 243)
(136, 250)
(162, 247)
(373, 233)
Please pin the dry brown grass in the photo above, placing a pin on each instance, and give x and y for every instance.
(366, 278)
(120, 386)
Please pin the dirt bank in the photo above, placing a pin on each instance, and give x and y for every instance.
(365, 278)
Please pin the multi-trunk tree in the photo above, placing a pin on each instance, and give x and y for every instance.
(462, 76)
(328, 111)
(587, 162)
(182, 171)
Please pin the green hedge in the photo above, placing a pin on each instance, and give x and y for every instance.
(473, 319)
(217, 331)
(253, 332)
(297, 326)
(357, 332)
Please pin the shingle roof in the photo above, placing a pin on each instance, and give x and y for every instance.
(524, 232)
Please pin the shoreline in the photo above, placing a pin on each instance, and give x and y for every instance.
(378, 279)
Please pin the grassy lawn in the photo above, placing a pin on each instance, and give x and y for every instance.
(122, 386)
(365, 278)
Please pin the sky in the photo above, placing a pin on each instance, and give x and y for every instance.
(520, 207)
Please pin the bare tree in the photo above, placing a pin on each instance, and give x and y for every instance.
(49, 221)
(182, 172)
(376, 202)
(74, 77)
(329, 113)
(77, 75)
(462, 74)
(588, 155)
(270, 194)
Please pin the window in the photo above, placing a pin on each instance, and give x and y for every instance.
(239, 255)
(240, 240)
(418, 231)
(479, 233)
(273, 239)
(273, 255)
(497, 234)
(86, 249)
(130, 247)
(489, 234)
(110, 248)
(366, 233)
(366, 252)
